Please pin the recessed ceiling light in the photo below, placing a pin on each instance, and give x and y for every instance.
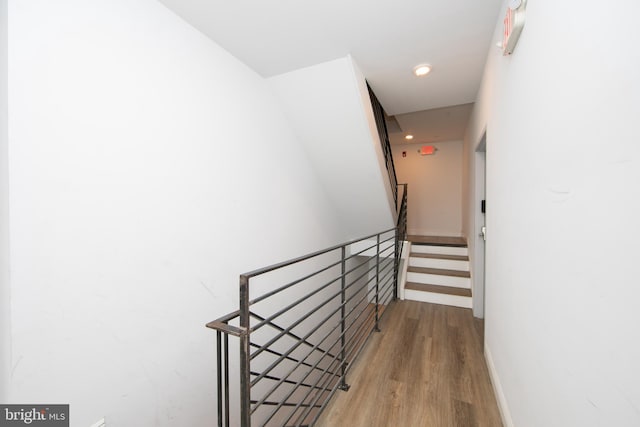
(422, 70)
(408, 137)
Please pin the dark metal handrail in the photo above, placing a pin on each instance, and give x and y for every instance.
(300, 326)
(402, 213)
(381, 124)
(401, 227)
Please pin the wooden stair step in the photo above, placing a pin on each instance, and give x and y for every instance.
(451, 245)
(437, 289)
(437, 240)
(439, 256)
(438, 271)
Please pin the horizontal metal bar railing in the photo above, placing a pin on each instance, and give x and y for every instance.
(333, 361)
(300, 334)
(291, 359)
(334, 358)
(288, 307)
(304, 258)
(281, 329)
(270, 377)
(276, 266)
(381, 125)
(317, 347)
(355, 349)
(307, 296)
(291, 349)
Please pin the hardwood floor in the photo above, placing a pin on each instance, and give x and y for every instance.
(426, 368)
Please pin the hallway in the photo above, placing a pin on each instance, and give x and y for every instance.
(425, 368)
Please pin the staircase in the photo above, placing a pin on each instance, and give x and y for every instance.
(438, 271)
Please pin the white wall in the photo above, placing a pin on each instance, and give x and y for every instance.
(434, 187)
(328, 105)
(563, 167)
(148, 168)
(5, 292)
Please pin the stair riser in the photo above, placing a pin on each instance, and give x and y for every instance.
(441, 250)
(454, 300)
(446, 264)
(437, 279)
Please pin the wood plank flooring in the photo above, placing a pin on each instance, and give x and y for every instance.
(426, 368)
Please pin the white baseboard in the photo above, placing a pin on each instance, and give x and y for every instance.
(503, 406)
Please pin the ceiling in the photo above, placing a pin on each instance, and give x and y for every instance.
(387, 39)
(435, 125)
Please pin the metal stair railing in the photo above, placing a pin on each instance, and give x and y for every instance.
(381, 124)
(300, 326)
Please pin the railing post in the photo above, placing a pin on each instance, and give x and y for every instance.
(377, 328)
(226, 380)
(219, 376)
(396, 264)
(343, 310)
(245, 356)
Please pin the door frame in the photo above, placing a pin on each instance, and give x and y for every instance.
(479, 220)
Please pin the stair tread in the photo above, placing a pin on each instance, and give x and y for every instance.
(438, 271)
(437, 241)
(438, 289)
(450, 245)
(440, 256)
